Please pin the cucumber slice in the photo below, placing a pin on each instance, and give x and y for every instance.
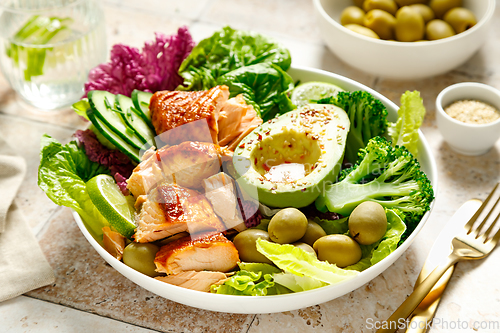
(133, 119)
(141, 101)
(102, 140)
(102, 104)
(116, 140)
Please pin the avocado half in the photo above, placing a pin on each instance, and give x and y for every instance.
(287, 160)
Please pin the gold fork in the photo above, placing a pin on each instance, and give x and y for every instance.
(472, 243)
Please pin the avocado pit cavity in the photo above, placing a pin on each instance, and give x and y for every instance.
(286, 156)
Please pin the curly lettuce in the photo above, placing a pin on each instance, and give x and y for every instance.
(227, 50)
(253, 279)
(152, 69)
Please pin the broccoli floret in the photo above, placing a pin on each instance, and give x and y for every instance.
(388, 175)
(368, 118)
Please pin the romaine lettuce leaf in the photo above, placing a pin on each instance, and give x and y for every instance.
(297, 261)
(265, 86)
(62, 175)
(297, 283)
(410, 117)
(225, 51)
(389, 243)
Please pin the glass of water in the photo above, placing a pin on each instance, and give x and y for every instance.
(47, 48)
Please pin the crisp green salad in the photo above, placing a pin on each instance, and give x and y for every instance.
(335, 186)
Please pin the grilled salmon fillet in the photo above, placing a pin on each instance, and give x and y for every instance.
(169, 209)
(237, 119)
(200, 281)
(170, 109)
(186, 164)
(212, 252)
(113, 242)
(220, 190)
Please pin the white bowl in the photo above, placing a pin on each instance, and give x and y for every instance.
(400, 60)
(268, 304)
(468, 139)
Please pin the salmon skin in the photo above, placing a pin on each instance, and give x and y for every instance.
(204, 116)
(211, 252)
(171, 109)
(169, 209)
(186, 164)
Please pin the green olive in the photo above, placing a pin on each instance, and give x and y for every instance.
(352, 14)
(305, 247)
(440, 7)
(359, 3)
(287, 226)
(385, 5)
(338, 249)
(362, 30)
(245, 244)
(368, 223)
(424, 10)
(460, 19)
(438, 29)
(313, 232)
(409, 25)
(141, 257)
(402, 3)
(381, 22)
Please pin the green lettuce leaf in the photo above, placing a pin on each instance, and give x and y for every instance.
(225, 51)
(410, 117)
(81, 108)
(389, 243)
(253, 279)
(62, 175)
(297, 261)
(297, 283)
(333, 226)
(265, 86)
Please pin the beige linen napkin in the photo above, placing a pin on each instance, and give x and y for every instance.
(23, 266)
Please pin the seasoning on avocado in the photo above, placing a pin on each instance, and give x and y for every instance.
(472, 112)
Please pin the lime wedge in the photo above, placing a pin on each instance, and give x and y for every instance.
(311, 91)
(112, 204)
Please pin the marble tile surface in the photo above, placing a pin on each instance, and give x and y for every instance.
(86, 282)
(30, 315)
(89, 295)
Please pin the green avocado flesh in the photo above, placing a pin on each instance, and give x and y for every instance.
(286, 161)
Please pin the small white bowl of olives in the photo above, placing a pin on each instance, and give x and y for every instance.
(404, 39)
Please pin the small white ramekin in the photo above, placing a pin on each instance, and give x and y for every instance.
(468, 139)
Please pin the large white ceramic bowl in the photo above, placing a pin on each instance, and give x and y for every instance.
(400, 60)
(268, 304)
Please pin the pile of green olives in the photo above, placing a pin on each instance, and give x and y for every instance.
(367, 225)
(288, 226)
(408, 20)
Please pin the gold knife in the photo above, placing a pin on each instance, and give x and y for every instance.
(424, 313)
